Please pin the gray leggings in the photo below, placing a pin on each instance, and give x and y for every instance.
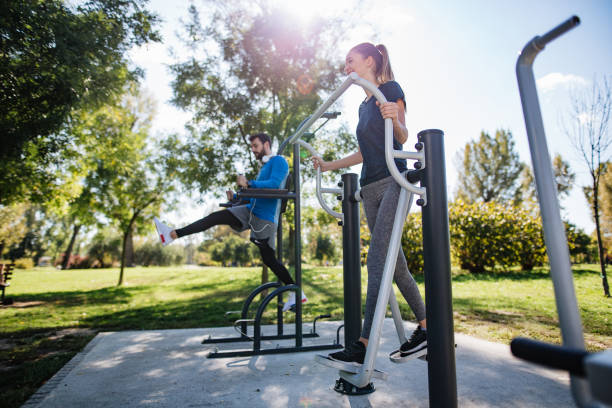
(380, 203)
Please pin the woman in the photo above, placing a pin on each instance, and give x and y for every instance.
(380, 193)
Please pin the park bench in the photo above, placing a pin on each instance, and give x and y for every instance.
(6, 271)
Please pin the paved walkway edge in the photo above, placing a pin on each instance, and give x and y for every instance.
(38, 397)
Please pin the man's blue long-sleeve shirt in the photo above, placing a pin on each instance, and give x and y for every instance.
(272, 175)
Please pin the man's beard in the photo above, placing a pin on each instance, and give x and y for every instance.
(259, 155)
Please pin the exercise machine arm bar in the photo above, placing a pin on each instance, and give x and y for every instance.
(321, 190)
(390, 153)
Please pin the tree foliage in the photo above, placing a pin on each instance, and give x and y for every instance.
(563, 174)
(489, 169)
(243, 78)
(12, 225)
(129, 178)
(57, 58)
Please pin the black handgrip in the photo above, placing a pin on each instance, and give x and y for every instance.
(414, 176)
(330, 115)
(264, 193)
(550, 355)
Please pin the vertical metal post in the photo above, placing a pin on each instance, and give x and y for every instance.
(279, 256)
(297, 246)
(554, 230)
(351, 255)
(438, 293)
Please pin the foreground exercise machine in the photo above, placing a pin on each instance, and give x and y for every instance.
(436, 243)
(590, 373)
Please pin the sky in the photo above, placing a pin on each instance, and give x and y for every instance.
(455, 61)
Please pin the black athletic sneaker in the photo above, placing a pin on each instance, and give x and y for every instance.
(353, 353)
(415, 347)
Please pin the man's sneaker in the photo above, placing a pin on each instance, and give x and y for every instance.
(163, 231)
(290, 303)
(415, 347)
(353, 353)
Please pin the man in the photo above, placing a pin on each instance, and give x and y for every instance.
(259, 215)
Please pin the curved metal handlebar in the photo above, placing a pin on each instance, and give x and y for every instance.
(390, 153)
(321, 190)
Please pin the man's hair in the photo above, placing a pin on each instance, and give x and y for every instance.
(263, 138)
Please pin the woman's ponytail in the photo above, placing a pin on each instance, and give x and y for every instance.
(385, 73)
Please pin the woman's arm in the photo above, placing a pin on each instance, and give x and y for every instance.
(348, 161)
(395, 112)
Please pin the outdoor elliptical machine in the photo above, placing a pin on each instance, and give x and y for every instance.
(436, 254)
(590, 373)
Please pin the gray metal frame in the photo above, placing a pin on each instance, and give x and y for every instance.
(554, 230)
(598, 366)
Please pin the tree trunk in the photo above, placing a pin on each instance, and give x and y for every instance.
(129, 250)
(126, 234)
(68, 252)
(602, 261)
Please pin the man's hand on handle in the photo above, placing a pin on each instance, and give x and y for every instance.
(242, 181)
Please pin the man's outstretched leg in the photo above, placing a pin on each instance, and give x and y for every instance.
(223, 217)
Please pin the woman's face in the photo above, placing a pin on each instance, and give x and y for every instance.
(355, 62)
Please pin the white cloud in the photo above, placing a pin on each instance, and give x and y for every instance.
(554, 80)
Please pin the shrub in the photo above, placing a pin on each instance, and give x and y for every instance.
(151, 253)
(76, 261)
(24, 263)
(582, 248)
(412, 243)
(484, 235)
(325, 250)
(105, 249)
(232, 251)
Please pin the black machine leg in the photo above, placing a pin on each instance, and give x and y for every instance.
(351, 253)
(297, 247)
(436, 256)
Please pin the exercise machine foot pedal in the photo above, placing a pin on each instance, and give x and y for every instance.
(421, 354)
(351, 368)
(344, 387)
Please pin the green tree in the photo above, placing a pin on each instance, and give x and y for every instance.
(130, 179)
(580, 245)
(12, 225)
(564, 178)
(243, 78)
(605, 201)
(105, 247)
(57, 58)
(489, 169)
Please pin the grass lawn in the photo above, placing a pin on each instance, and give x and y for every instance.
(56, 313)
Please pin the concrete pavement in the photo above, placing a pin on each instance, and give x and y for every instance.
(169, 368)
